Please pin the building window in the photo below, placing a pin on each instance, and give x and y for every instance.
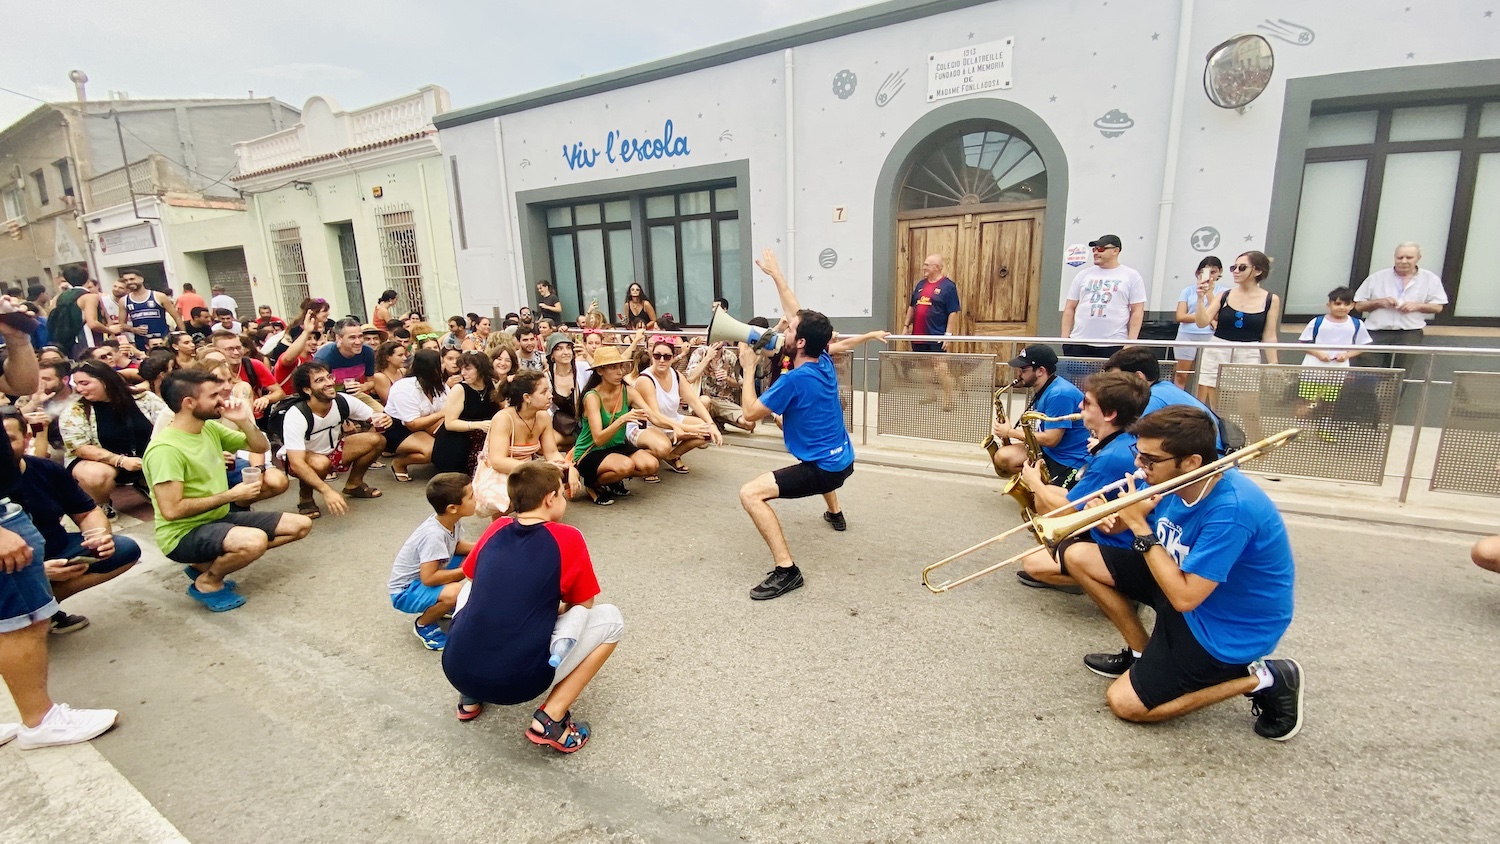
(15, 204)
(693, 252)
(977, 165)
(291, 266)
(398, 250)
(64, 176)
(39, 180)
(1376, 177)
(593, 256)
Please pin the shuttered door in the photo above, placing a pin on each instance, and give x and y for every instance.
(227, 267)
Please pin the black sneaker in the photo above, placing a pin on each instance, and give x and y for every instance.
(64, 623)
(837, 520)
(1027, 579)
(109, 511)
(618, 489)
(602, 496)
(1110, 665)
(1278, 707)
(778, 582)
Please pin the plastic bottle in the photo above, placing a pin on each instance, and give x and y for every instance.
(560, 649)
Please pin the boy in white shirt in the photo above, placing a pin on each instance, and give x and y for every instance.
(425, 577)
(1334, 334)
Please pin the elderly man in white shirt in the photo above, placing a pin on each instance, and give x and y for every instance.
(1397, 302)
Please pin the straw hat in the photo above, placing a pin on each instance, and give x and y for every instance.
(608, 356)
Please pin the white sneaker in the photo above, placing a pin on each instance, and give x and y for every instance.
(8, 732)
(63, 725)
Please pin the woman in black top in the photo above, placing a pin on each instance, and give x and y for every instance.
(105, 433)
(466, 416)
(1245, 313)
(639, 312)
(563, 373)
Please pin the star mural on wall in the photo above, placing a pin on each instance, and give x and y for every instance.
(971, 36)
(882, 134)
(1156, 36)
(1077, 220)
(1052, 99)
(1411, 55)
(700, 115)
(1249, 237)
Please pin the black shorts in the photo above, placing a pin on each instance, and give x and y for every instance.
(1057, 472)
(926, 346)
(1083, 350)
(806, 479)
(205, 543)
(588, 467)
(395, 435)
(1174, 663)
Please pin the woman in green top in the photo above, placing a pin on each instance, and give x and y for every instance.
(604, 455)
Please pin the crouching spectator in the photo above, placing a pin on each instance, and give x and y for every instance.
(191, 494)
(509, 642)
(73, 561)
(716, 371)
(425, 578)
(317, 438)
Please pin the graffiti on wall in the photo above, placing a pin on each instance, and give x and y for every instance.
(618, 147)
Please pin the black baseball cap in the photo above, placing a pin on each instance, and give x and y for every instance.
(1037, 355)
(1108, 240)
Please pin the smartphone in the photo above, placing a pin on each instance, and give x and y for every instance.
(82, 561)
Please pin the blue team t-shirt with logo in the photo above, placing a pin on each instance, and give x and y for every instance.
(1167, 394)
(1112, 461)
(1060, 398)
(807, 399)
(1236, 538)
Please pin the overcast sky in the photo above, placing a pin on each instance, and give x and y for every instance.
(357, 52)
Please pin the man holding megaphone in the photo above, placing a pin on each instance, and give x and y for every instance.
(812, 420)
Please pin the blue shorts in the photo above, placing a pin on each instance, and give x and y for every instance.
(25, 595)
(418, 597)
(127, 552)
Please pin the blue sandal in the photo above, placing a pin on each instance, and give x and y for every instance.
(192, 574)
(223, 600)
(564, 736)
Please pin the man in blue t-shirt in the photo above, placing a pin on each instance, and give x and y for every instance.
(1142, 362)
(1065, 443)
(1112, 401)
(1213, 559)
(812, 423)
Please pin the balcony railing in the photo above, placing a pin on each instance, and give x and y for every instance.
(380, 122)
(151, 176)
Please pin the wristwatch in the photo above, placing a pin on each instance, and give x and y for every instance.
(1142, 544)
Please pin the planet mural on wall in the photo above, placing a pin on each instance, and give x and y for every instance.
(1205, 239)
(1114, 123)
(827, 258)
(844, 83)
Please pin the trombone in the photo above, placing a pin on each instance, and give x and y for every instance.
(1053, 527)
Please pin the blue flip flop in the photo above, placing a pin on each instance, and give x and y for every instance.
(223, 600)
(192, 574)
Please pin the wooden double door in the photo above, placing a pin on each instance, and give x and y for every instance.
(995, 259)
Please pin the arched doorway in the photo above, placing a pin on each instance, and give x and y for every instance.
(975, 193)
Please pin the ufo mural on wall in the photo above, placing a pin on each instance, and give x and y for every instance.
(1114, 123)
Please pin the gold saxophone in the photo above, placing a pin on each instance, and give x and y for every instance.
(1015, 486)
(991, 444)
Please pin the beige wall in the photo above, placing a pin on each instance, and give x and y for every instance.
(37, 144)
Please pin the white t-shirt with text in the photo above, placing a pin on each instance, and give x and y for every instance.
(1104, 298)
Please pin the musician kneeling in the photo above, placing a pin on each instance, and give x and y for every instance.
(1112, 402)
(1217, 569)
(1064, 442)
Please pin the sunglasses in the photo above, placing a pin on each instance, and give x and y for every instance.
(432, 336)
(662, 356)
(1103, 248)
(1240, 268)
(1150, 461)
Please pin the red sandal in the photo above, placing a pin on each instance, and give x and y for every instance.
(564, 736)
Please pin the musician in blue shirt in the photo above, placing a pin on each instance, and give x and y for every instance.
(1112, 401)
(1065, 444)
(1142, 361)
(1213, 559)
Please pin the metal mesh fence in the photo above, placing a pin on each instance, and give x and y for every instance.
(1346, 416)
(1469, 449)
(936, 396)
(843, 364)
(1076, 370)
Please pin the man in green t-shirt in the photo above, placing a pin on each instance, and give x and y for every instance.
(191, 494)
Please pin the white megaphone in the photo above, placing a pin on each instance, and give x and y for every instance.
(723, 328)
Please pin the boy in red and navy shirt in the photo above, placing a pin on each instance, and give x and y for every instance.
(530, 598)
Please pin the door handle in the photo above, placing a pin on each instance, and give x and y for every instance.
(1004, 272)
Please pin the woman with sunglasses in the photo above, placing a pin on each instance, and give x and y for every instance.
(562, 373)
(467, 412)
(1207, 277)
(660, 391)
(639, 312)
(106, 431)
(1245, 313)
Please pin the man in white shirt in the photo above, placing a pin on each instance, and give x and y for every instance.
(1114, 303)
(315, 440)
(224, 300)
(1397, 303)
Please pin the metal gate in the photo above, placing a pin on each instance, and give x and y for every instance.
(398, 251)
(227, 267)
(291, 266)
(354, 287)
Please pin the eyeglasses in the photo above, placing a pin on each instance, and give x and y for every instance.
(1102, 248)
(1240, 268)
(1149, 461)
(662, 356)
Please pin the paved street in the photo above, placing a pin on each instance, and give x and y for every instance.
(860, 708)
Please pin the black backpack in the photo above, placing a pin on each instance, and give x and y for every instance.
(275, 418)
(65, 322)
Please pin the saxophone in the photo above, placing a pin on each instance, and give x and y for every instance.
(991, 444)
(1015, 486)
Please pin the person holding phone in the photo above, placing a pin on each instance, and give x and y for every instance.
(74, 561)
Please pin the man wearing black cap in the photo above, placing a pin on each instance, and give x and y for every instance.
(1065, 445)
(1113, 298)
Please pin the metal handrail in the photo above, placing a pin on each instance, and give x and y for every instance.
(1487, 351)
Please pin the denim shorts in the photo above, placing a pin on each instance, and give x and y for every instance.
(25, 595)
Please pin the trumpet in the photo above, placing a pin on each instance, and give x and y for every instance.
(991, 444)
(1015, 487)
(1053, 527)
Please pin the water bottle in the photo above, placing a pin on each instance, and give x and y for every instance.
(560, 649)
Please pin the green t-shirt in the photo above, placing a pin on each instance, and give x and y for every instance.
(197, 461)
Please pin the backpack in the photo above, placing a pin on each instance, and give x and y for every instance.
(1318, 325)
(276, 417)
(65, 322)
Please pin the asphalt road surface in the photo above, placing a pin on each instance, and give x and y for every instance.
(859, 708)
